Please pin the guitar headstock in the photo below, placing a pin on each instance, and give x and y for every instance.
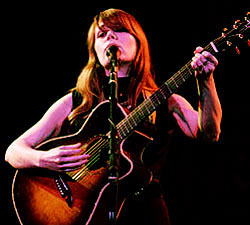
(231, 38)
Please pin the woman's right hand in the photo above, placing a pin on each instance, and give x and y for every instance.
(63, 158)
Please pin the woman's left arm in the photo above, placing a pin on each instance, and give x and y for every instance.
(206, 121)
(209, 111)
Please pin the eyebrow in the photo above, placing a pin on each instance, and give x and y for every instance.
(103, 27)
(99, 30)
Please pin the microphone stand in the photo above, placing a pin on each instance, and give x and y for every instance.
(113, 139)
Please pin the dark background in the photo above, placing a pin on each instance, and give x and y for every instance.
(44, 49)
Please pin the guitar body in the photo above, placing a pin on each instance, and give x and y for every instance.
(37, 199)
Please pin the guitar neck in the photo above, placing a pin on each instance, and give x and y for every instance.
(148, 106)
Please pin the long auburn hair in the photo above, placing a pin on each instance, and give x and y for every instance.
(91, 77)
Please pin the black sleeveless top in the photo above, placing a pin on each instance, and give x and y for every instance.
(155, 154)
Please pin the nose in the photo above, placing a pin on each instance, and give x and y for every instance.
(111, 35)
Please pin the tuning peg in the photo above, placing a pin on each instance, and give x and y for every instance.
(224, 32)
(236, 23)
(241, 36)
(237, 50)
(247, 16)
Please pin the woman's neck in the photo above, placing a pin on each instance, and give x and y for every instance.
(123, 70)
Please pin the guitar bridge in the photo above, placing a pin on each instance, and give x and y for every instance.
(64, 190)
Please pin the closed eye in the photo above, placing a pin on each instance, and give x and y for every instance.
(101, 34)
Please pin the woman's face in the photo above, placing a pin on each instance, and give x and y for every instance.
(124, 41)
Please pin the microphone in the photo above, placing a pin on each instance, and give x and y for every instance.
(111, 52)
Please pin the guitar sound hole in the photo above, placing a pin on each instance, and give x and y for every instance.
(98, 151)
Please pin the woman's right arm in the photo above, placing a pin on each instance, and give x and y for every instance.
(22, 153)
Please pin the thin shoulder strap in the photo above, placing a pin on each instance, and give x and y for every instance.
(76, 99)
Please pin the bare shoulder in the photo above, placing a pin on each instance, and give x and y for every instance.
(59, 110)
(64, 102)
(50, 124)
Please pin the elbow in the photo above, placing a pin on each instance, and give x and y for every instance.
(211, 130)
(8, 154)
(214, 137)
(8, 157)
(11, 158)
(212, 134)
(214, 130)
(21, 156)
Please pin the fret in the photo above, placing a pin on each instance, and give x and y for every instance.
(132, 118)
(176, 85)
(142, 113)
(162, 93)
(151, 106)
(120, 131)
(169, 89)
(156, 97)
(135, 117)
(134, 114)
(189, 70)
(151, 103)
(214, 47)
(129, 124)
(126, 128)
(146, 107)
(180, 74)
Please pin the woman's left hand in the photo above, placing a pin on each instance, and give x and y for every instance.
(204, 63)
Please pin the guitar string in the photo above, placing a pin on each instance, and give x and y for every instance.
(76, 176)
(94, 158)
(84, 173)
(93, 150)
(125, 125)
(96, 145)
(89, 151)
(104, 144)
